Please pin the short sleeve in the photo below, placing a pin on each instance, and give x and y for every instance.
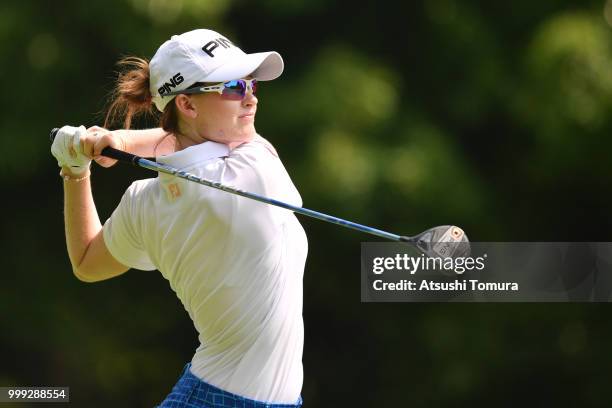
(122, 232)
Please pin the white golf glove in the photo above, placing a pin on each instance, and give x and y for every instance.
(66, 148)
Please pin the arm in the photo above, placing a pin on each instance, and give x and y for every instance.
(89, 257)
(91, 261)
(143, 143)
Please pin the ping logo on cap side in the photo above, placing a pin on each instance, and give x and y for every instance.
(174, 81)
(212, 45)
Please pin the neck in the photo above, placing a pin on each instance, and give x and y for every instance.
(182, 142)
(187, 136)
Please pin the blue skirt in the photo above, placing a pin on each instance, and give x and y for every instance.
(191, 392)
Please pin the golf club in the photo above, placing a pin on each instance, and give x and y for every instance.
(441, 241)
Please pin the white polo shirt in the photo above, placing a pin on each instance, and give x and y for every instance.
(236, 264)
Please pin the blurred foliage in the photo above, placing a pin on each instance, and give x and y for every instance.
(402, 115)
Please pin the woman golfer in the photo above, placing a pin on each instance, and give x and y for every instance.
(235, 264)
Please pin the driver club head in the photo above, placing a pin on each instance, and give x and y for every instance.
(445, 241)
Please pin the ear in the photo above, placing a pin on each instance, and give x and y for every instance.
(185, 105)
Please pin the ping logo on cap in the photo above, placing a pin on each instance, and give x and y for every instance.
(212, 45)
(174, 81)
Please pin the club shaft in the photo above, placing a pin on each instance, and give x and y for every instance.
(151, 165)
(162, 168)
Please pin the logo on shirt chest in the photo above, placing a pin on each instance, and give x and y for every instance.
(174, 191)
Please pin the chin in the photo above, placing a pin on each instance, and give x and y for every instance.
(246, 131)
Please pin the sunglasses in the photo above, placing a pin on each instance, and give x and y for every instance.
(232, 90)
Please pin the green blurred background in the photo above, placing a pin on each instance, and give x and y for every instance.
(494, 116)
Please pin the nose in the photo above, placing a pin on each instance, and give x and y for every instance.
(249, 99)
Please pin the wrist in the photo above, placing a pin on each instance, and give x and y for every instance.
(122, 138)
(69, 174)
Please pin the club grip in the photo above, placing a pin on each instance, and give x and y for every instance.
(108, 151)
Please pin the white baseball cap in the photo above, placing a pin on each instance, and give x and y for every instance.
(205, 56)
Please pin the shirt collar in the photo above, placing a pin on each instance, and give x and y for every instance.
(195, 154)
